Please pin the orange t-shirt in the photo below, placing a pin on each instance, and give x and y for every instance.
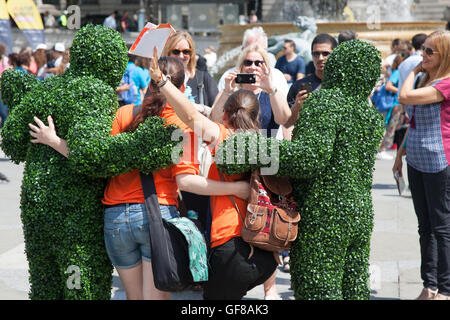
(226, 222)
(127, 187)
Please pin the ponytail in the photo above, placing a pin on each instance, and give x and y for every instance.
(242, 110)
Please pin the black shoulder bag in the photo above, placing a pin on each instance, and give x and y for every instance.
(169, 248)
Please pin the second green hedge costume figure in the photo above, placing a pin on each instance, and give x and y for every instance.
(61, 206)
(330, 160)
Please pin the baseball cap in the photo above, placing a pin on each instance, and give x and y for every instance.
(59, 46)
(41, 46)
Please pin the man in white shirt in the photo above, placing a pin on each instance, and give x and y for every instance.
(410, 63)
(110, 21)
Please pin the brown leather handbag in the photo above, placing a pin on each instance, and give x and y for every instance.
(271, 222)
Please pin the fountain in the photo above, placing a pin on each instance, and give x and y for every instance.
(379, 22)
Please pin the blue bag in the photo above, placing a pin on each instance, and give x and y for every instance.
(383, 99)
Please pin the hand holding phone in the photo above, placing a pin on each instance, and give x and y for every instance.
(306, 86)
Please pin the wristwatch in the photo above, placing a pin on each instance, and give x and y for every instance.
(273, 92)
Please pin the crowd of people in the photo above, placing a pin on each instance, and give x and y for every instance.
(413, 95)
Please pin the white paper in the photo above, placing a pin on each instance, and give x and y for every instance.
(154, 36)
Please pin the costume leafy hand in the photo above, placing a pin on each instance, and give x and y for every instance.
(61, 198)
(330, 160)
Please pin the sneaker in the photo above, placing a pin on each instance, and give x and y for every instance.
(428, 294)
(383, 155)
(441, 297)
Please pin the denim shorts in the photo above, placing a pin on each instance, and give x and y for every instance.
(126, 233)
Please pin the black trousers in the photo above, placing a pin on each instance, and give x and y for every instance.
(431, 197)
(231, 274)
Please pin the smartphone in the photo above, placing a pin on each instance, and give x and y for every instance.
(401, 186)
(245, 78)
(306, 86)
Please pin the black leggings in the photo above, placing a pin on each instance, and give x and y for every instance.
(232, 274)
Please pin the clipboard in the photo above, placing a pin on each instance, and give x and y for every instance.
(152, 35)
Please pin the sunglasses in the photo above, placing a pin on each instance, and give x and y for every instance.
(177, 52)
(317, 54)
(428, 51)
(248, 63)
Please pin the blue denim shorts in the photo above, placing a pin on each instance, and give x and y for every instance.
(126, 233)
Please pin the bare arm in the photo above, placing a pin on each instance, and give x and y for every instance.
(217, 108)
(203, 186)
(425, 95)
(47, 135)
(390, 87)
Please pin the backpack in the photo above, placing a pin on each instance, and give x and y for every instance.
(271, 222)
(131, 94)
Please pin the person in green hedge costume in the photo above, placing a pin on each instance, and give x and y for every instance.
(330, 161)
(61, 206)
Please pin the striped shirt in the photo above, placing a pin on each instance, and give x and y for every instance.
(428, 144)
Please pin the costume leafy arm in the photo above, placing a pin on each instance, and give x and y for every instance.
(93, 151)
(305, 156)
(15, 132)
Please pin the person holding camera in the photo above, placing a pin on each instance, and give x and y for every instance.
(321, 47)
(253, 74)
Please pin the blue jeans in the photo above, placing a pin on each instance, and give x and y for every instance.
(127, 235)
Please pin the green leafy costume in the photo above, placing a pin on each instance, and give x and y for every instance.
(330, 161)
(61, 206)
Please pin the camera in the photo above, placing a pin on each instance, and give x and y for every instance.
(245, 78)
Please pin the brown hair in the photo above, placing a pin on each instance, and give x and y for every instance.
(401, 56)
(242, 110)
(142, 62)
(154, 103)
(441, 40)
(171, 43)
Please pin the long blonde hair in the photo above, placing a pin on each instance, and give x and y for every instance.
(172, 42)
(441, 40)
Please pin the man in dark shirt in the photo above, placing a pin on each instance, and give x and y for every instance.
(321, 47)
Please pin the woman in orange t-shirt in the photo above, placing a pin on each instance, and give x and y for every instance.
(126, 225)
(231, 274)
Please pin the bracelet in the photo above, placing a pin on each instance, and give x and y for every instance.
(228, 93)
(273, 92)
(163, 80)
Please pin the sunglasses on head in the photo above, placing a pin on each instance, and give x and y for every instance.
(248, 63)
(177, 52)
(428, 51)
(318, 53)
